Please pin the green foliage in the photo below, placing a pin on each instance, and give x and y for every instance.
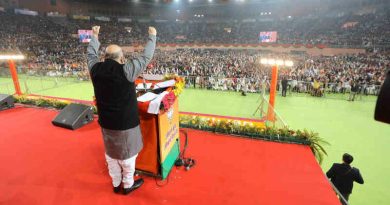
(41, 102)
(247, 129)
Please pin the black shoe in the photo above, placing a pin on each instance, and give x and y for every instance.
(117, 189)
(137, 184)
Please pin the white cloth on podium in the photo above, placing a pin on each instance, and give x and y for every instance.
(147, 97)
(154, 106)
(141, 86)
(164, 84)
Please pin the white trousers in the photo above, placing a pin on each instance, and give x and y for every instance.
(121, 171)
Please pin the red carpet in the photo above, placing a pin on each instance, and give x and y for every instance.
(43, 164)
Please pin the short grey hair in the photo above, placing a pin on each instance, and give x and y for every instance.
(115, 55)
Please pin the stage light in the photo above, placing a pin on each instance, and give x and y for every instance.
(288, 63)
(210, 1)
(190, 1)
(279, 62)
(11, 57)
(271, 61)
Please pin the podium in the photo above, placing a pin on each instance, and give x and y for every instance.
(160, 134)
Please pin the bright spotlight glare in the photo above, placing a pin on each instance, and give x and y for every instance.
(288, 63)
(11, 57)
(210, 1)
(279, 62)
(271, 61)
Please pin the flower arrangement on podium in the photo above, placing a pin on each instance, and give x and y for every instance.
(168, 101)
(174, 92)
(179, 83)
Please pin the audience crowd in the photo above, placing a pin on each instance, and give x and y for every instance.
(53, 49)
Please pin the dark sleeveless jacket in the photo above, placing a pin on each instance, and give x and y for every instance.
(116, 98)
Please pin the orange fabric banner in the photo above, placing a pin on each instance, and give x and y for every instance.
(272, 94)
(14, 76)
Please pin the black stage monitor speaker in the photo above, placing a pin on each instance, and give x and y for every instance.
(6, 101)
(74, 116)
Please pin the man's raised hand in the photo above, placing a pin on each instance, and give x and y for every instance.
(152, 31)
(95, 31)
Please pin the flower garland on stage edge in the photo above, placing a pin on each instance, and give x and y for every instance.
(225, 126)
(257, 131)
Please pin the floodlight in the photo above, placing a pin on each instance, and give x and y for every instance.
(264, 61)
(11, 57)
(288, 63)
(271, 61)
(279, 62)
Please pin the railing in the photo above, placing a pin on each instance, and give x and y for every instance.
(268, 112)
(32, 83)
(296, 87)
(344, 201)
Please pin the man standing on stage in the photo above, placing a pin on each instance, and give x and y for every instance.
(343, 176)
(116, 101)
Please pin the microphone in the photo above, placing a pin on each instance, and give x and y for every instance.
(144, 82)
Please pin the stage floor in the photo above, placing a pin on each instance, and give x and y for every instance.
(44, 164)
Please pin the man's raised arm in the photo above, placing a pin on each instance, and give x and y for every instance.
(93, 48)
(133, 68)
